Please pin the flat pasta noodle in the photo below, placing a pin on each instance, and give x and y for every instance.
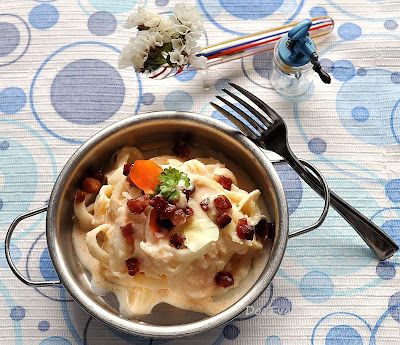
(166, 272)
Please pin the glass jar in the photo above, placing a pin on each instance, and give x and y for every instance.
(290, 80)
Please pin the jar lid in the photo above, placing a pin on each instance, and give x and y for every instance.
(296, 48)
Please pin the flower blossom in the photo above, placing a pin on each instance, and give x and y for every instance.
(163, 41)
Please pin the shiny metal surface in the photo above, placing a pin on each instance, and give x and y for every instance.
(152, 130)
(7, 244)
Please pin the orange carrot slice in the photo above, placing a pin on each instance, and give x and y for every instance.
(144, 174)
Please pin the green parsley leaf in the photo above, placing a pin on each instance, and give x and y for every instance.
(170, 179)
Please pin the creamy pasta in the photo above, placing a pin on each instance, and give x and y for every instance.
(204, 253)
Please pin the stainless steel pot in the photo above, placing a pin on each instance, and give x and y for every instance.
(144, 131)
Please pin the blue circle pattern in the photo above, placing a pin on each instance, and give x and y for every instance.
(17, 313)
(281, 306)
(343, 70)
(317, 146)
(178, 100)
(318, 11)
(386, 270)
(12, 100)
(31, 93)
(6, 40)
(259, 8)
(222, 83)
(16, 156)
(55, 341)
(4, 145)
(361, 115)
(349, 31)
(148, 98)
(361, 72)
(87, 92)
(292, 185)
(395, 78)
(102, 23)
(46, 266)
(43, 326)
(114, 6)
(343, 335)
(394, 306)
(390, 24)
(162, 2)
(273, 340)
(186, 75)
(392, 228)
(9, 38)
(316, 287)
(231, 332)
(327, 65)
(15, 255)
(392, 190)
(262, 64)
(43, 16)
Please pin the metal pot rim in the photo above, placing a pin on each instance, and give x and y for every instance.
(154, 330)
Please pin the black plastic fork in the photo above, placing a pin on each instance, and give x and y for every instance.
(271, 134)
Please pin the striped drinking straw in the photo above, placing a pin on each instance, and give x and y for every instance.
(246, 46)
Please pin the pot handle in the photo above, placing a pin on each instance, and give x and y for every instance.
(8, 255)
(324, 213)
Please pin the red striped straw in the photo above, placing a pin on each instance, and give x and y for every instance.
(247, 45)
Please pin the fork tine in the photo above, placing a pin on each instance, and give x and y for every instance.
(244, 128)
(265, 107)
(262, 118)
(242, 113)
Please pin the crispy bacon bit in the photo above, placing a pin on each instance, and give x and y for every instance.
(164, 209)
(188, 211)
(223, 220)
(127, 230)
(159, 227)
(133, 266)
(204, 204)
(225, 182)
(189, 191)
(177, 240)
(91, 185)
(98, 174)
(127, 169)
(224, 279)
(265, 229)
(244, 230)
(181, 150)
(222, 203)
(138, 204)
(178, 217)
(80, 196)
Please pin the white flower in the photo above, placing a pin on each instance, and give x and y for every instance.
(142, 18)
(178, 45)
(166, 28)
(189, 16)
(136, 52)
(163, 40)
(178, 58)
(198, 61)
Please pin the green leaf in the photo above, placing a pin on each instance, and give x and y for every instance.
(169, 179)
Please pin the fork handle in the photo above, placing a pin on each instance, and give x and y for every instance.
(379, 242)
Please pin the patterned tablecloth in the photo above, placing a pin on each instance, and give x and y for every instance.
(59, 84)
